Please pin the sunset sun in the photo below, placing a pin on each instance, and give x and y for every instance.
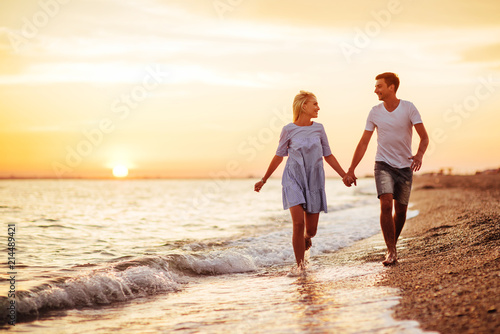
(120, 171)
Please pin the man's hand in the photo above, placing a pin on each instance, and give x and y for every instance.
(349, 179)
(416, 163)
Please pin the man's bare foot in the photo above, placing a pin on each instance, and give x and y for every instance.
(308, 243)
(390, 260)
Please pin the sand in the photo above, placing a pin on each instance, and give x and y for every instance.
(449, 268)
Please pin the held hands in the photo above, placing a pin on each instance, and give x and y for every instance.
(349, 179)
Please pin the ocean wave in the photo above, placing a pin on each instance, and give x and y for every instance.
(90, 289)
(126, 278)
(217, 263)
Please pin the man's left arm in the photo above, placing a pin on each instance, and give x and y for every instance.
(422, 147)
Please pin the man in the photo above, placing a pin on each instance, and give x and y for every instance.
(394, 162)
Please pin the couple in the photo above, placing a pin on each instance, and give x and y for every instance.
(306, 144)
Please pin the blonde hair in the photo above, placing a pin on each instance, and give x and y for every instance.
(299, 101)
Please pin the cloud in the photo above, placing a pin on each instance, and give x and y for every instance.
(483, 53)
(85, 44)
(328, 13)
(250, 47)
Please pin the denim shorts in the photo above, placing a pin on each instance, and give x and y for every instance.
(395, 181)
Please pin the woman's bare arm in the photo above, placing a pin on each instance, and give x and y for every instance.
(270, 170)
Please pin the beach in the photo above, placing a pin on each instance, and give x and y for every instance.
(138, 272)
(449, 255)
(108, 256)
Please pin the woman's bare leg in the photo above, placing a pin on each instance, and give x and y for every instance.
(305, 226)
(311, 220)
(298, 241)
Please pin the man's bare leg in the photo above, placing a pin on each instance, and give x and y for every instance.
(399, 217)
(388, 228)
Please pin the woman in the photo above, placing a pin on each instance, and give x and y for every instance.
(305, 143)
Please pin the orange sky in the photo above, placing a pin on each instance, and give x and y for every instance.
(202, 88)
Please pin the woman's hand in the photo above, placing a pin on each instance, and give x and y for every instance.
(349, 179)
(258, 186)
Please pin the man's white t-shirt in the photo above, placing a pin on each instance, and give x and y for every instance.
(394, 132)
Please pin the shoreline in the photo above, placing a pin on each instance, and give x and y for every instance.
(448, 273)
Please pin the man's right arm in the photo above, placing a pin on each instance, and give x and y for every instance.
(359, 153)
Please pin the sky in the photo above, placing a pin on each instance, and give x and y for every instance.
(202, 88)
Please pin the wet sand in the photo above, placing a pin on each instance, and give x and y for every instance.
(449, 255)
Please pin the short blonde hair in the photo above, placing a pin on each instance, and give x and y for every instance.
(299, 101)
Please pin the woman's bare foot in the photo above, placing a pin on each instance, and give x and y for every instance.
(390, 260)
(308, 243)
(299, 270)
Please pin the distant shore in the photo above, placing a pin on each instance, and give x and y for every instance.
(136, 176)
(449, 268)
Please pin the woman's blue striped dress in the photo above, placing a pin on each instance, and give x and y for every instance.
(303, 179)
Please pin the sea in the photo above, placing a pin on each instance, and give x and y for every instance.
(184, 256)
